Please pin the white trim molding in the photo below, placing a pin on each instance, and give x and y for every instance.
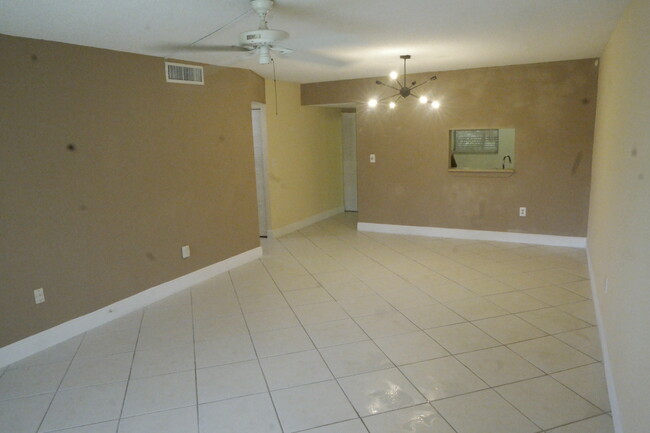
(35, 343)
(276, 233)
(479, 235)
(609, 376)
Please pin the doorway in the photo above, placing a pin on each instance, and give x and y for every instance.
(349, 132)
(258, 115)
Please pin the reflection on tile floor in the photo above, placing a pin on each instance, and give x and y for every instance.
(336, 331)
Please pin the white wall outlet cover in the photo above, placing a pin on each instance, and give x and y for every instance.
(39, 296)
(372, 158)
(522, 211)
(185, 251)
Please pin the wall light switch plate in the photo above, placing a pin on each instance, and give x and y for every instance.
(39, 296)
(522, 211)
(372, 158)
(185, 251)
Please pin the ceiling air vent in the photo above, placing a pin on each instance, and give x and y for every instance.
(177, 73)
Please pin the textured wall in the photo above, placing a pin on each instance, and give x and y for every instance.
(619, 217)
(106, 171)
(552, 108)
(304, 156)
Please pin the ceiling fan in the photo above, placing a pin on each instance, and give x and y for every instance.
(262, 41)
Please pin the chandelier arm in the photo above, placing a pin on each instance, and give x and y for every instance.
(422, 84)
(387, 85)
(414, 95)
(388, 97)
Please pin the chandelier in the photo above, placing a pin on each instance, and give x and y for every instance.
(403, 91)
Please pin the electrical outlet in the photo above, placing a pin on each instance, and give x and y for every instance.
(372, 158)
(39, 296)
(185, 251)
(522, 211)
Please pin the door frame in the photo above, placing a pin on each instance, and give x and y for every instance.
(346, 119)
(265, 164)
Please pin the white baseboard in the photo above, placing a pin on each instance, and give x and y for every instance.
(479, 235)
(304, 223)
(609, 377)
(35, 343)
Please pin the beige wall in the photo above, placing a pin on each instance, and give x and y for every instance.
(619, 217)
(155, 166)
(304, 157)
(552, 108)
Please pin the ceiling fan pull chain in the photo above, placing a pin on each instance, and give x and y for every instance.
(221, 28)
(275, 86)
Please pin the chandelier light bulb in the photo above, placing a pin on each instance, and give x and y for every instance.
(393, 75)
(372, 103)
(424, 99)
(392, 104)
(435, 104)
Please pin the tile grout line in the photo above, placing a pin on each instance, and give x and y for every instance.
(196, 379)
(257, 358)
(128, 380)
(575, 422)
(49, 406)
(584, 398)
(316, 347)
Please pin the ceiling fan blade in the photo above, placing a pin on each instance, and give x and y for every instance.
(316, 14)
(281, 50)
(239, 58)
(312, 57)
(209, 48)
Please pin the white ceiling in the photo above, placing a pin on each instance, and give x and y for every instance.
(332, 39)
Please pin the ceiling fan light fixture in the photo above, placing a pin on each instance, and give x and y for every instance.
(265, 55)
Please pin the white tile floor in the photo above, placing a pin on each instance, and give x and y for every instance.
(336, 331)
